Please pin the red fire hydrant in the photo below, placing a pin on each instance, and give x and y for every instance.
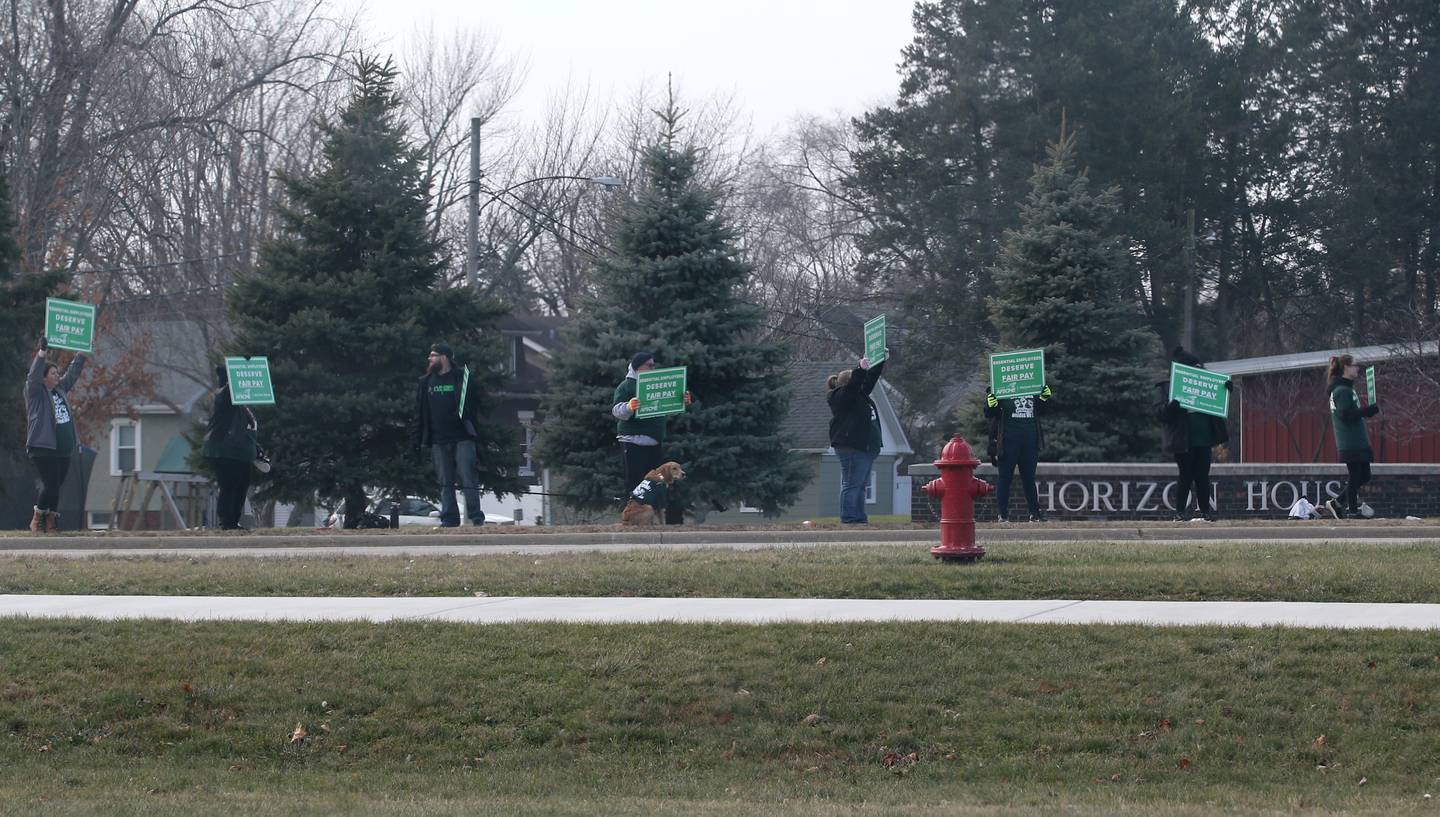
(957, 488)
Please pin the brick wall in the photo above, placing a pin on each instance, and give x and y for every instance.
(1108, 491)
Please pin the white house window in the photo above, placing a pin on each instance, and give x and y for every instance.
(527, 442)
(124, 447)
(872, 489)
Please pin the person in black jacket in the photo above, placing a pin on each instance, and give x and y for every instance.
(1016, 439)
(446, 423)
(854, 434)
(230, 448)
(1189, 436)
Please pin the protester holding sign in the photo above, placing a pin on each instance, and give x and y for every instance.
(1189, 436)
(50, 437)
(854, 434)
(230, 449)
(641, 438)
(446, 423)
(1015, 440)
(1348, 420)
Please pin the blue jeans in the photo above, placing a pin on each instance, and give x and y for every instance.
(456, 463)
(854, 478)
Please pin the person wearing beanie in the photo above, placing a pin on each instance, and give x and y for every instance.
(1347, 418)
(230, 449)
(50, 438)
(1189, 436)
(641, 440)
(446, 423)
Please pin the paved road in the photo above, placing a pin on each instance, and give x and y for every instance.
(428, 549)
(474, 544)
(506, 609)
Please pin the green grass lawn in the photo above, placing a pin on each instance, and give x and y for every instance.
(154, 719)
(1273, 571)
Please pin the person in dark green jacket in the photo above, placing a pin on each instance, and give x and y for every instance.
(641, 441)
(230, 450)
(1347, 417)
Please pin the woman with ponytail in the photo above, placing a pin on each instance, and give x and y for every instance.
(1348, 419)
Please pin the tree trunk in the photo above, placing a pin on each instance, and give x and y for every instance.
(356, 503)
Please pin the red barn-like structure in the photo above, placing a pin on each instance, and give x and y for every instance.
(1282, 405)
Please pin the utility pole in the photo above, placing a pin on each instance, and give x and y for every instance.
(1189, 333)
(472, 231)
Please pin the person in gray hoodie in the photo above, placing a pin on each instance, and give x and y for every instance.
(50, 437)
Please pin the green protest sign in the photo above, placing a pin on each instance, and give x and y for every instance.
(1370, 383)
(875, 339)
(661, 392)
(70, 325)
(249, 379)
(1017, 374)
(1199, 390)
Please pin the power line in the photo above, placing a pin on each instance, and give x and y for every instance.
(159, 264)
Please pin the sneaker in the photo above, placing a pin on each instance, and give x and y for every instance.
(1004, 520)
(1177, 518)
(1335, 509)
(1366, 512)
(1210, 517)
(1037, 517)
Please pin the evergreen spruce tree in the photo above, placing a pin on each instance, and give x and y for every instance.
(673, 290)
(22, 320)
(1059, 285)
(346, 306)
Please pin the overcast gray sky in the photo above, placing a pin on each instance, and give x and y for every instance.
(776, 58)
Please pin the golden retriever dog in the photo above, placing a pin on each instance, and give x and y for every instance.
(651, 496)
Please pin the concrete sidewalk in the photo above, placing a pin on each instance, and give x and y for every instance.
(508, 609)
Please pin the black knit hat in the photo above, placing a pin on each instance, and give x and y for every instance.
(640, 359)
(443, 349)
(1179, 355)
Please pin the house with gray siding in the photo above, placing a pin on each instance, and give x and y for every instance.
(144, 442)
(807, 424)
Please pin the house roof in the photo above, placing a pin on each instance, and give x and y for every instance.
(179, 331)
(542, 329)
(1315, 360)
(808, 421)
